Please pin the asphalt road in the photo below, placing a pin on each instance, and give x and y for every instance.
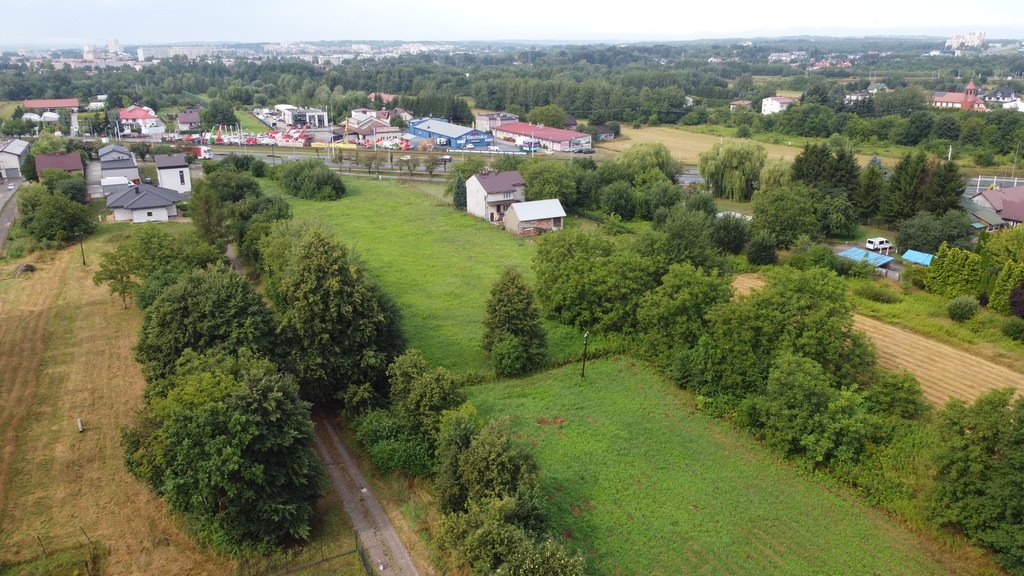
(8, 210)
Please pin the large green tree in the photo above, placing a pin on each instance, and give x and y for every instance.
(551, 115)
(786, 214)
(513, 333)
(549, 179)
(731, 169)
(205, 310)
(900, 199)
(979, 474)
(333, 323)
(219, 112)
(228, 444)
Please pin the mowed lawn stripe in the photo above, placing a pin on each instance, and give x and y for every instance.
(641, 484)
(63, 482)
(438, 264)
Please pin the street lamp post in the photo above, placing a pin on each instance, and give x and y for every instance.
(586, 341)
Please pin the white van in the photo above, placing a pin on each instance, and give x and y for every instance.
(878, 244)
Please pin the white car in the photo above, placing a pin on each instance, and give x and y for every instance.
(10, 186)
(878, 244)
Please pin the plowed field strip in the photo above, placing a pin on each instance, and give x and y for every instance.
(944, 371)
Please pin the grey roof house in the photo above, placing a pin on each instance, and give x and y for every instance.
(144, 203)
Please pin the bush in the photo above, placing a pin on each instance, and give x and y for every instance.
(510, 356)
(962, 308)
(914, 276)
(311, 179)
(761, 250)
(877, 293)
(1013, 329)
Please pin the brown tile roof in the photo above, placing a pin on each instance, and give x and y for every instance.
(498, 182)
(69, 162)
(50, 103)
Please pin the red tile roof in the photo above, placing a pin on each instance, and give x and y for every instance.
(52, 103)
(136, 113)
(69, 162)
(540, 132)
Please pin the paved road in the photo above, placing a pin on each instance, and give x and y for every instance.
(8, 211)
(386, 552)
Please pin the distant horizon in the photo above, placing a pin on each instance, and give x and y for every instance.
(102, 43)
(89, 22)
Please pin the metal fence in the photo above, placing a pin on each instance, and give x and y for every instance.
(349, 562)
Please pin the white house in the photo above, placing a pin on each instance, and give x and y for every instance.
(144, 203)
(537, 217)
(775, 104)
(489, 194)
(173, 173)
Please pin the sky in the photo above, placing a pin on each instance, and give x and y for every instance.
(64, 23)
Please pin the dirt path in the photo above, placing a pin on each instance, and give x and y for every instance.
(944, 371)
(386, 551)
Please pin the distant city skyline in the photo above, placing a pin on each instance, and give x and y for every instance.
(58, 24)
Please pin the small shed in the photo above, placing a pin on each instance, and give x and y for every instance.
(919, 258)
(533, 218)
(858, 254)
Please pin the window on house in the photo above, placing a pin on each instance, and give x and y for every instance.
(181, 176)
(149, 214)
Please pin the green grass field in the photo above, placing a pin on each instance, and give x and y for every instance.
(438, 264)
(641, 484)
(250, 123)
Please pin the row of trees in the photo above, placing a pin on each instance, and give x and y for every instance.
(485, 480)
(225, 435)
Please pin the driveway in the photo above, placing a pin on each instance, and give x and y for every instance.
(92, 179)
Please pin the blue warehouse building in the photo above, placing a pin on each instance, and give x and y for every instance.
(452, 135)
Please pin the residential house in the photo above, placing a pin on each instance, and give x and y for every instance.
(115, 152)
(142, 119)
(120, 167)
(982, 216)
(12, 154)
(70, 162)
(1001, 95)
(603, 133)
(189, 120)
(384, 97)
(556, 139)
(489, 194)
(1006, 203)
(854, 97)
(776, 104)
(365, 129)
(966, 100)
(739, 105)
(537, 217)
(448, 134)
(113, 185)
(488, 122)
(1017, 105)
(571, 122)
(173, 172)
(876, 87)
(144, 203)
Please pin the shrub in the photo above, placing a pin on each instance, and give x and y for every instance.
(510, 356)
(877, 293)
(914, 276)
(962, 308)
(761, 250)
(1017, 301)
(1013, 328)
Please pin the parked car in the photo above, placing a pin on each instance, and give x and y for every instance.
(878, 244)
(406, 157)
(10, 186)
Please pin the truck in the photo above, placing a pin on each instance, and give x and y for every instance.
(201, 152)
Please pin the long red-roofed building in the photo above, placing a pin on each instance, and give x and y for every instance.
(551, 138)
(50, 104)
(966, 100)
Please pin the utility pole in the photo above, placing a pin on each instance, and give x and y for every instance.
(586, 341)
